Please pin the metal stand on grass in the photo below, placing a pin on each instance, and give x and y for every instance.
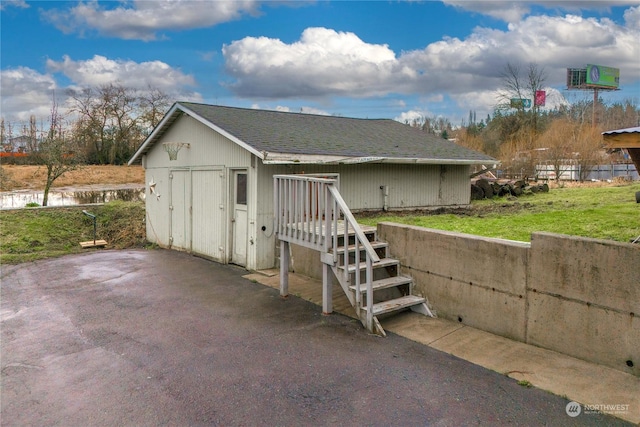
(93, 243)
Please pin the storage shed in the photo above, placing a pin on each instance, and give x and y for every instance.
(216, 198)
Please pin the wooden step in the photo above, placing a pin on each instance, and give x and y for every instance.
(352, 248)
(389, 282)
(384, 262)
(395, 304)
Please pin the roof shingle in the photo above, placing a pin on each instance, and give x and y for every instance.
(272, 132)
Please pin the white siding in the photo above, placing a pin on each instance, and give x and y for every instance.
(208, 148)
(209, 163)
(410, 187)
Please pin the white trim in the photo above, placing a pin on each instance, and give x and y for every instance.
(296, 159)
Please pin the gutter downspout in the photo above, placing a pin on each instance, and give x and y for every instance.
(385, 197)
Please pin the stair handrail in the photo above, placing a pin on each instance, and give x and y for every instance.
(351, 220)
(308, 215)
(370, 254)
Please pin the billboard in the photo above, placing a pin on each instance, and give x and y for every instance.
(540, 98)
(576, 78)
(520, 103)
(600, 75)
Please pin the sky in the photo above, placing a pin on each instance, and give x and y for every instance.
(368, 59)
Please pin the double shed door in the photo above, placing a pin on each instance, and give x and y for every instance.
(197, 209)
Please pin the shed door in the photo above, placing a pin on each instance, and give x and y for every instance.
(179, 207)
(208, 213)
(239, 220)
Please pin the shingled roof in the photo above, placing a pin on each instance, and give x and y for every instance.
(279, 137)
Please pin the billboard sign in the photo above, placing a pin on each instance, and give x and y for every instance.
(600, 75)
(520, 103)
(540, 99)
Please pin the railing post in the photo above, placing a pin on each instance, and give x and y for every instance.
(369, 294)
(327, 290)
(284, 268)
(357, 277)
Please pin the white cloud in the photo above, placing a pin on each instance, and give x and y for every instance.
(143, 19)
(285, 109)
(326, 63)
(312, 110)
(511, 11)
(410, 116)
(25, 91)
(632, 17)
(20, 4)
(100, 70)
(316, 65)
(515, 10)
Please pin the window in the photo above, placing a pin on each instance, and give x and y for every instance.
(241, 189)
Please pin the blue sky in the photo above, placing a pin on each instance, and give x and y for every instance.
(391, 59)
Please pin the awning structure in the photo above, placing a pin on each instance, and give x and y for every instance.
(629, 139)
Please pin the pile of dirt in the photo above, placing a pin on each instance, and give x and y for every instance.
(29, 177)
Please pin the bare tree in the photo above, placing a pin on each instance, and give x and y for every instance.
(522, 84)
(153, 104)
(114, 120)
(513, 86)
(56, 152)
(589, 150)
(559, 145)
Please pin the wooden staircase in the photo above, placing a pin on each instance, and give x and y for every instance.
(392, 291)
(310, 212)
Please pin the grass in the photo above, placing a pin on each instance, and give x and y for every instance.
(525, 383)
(605, 212)
(599, 212)
(31, 234)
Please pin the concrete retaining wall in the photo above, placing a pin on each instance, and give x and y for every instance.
(573, 295)
(478, 281)
(584, 299)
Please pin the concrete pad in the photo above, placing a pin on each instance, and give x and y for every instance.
(575, 379)
(580, 381)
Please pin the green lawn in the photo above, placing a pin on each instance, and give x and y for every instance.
(599, 212)
(31, 234)
(605, 213)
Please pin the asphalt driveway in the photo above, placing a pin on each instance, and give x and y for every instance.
(153, 338)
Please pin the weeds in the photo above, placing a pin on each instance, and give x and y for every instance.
(31, 234)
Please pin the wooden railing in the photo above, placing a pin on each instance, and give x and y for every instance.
(310, 212)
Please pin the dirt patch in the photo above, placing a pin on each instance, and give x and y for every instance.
(22, 177)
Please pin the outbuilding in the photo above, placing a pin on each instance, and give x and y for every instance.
(209, 173)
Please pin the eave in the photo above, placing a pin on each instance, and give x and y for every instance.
(305, 159)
